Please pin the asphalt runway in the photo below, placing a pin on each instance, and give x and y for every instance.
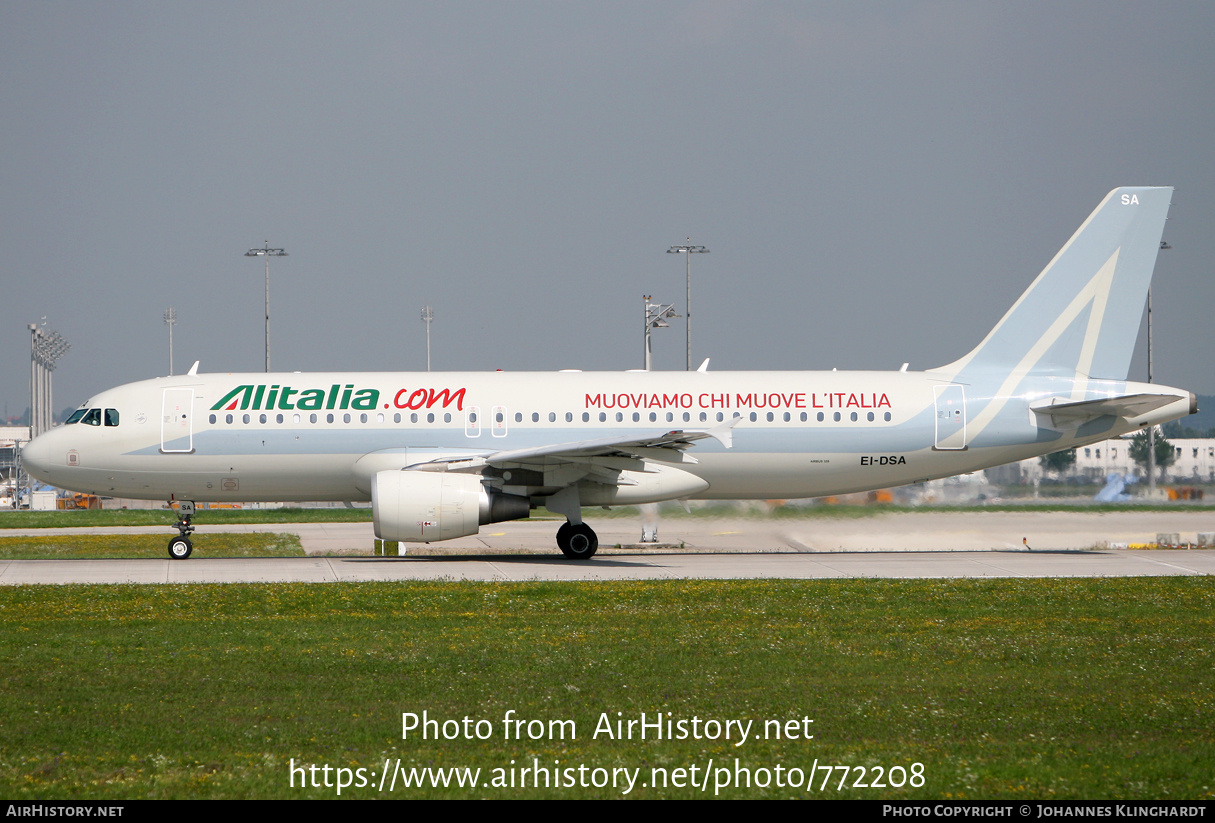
(916, 545)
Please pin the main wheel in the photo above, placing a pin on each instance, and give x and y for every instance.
(180, 548)
(577, 542)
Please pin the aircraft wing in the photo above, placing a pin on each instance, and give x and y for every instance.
(1128, 406)
(665, 446)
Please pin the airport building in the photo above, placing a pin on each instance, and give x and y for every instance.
(11, 439)
(1193, 463)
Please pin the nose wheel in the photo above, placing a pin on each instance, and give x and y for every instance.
(577, 542)
(180, 547)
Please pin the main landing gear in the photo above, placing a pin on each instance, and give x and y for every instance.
(180, 547)
(577, 541)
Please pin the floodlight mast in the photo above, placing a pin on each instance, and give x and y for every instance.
(46, 347)
(656, 315)
(267, 252)
(170, 321)
(428, 316)
(688, 251)
(1152, 429)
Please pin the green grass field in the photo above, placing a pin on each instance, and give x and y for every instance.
(1015, 689)
(83, 518)
(219, 544)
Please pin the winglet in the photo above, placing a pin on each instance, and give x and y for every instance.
(724, 432)
(704, 367)
(194, 369)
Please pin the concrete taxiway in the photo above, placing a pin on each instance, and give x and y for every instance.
(665, 565)
(906, 545)
(926, 531)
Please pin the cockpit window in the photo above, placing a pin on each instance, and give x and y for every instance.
(93, 418)
(111, 417)
(76, 415)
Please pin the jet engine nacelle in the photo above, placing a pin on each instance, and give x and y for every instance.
(425, 507)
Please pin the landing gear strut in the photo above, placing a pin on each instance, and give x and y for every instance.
(180, 547)
(577, 542)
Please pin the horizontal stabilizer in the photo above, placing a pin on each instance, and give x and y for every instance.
(1127, 406)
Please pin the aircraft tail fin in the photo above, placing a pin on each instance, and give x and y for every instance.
(1080, 317)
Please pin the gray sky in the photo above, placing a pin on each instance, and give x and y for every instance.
(877, 183)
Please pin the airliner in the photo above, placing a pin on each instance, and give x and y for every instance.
(441, 454)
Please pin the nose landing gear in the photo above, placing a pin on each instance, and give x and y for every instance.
(180, 547)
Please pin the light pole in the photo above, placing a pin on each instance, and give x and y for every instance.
(688, 251)
(46, 346)
(170, 321)
(428, 316)
(267, 252)
(1152, 429)
(656, 315)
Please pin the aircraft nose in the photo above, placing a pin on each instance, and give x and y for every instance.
(36, 456)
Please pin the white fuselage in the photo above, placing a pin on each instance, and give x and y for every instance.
(287, 437)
